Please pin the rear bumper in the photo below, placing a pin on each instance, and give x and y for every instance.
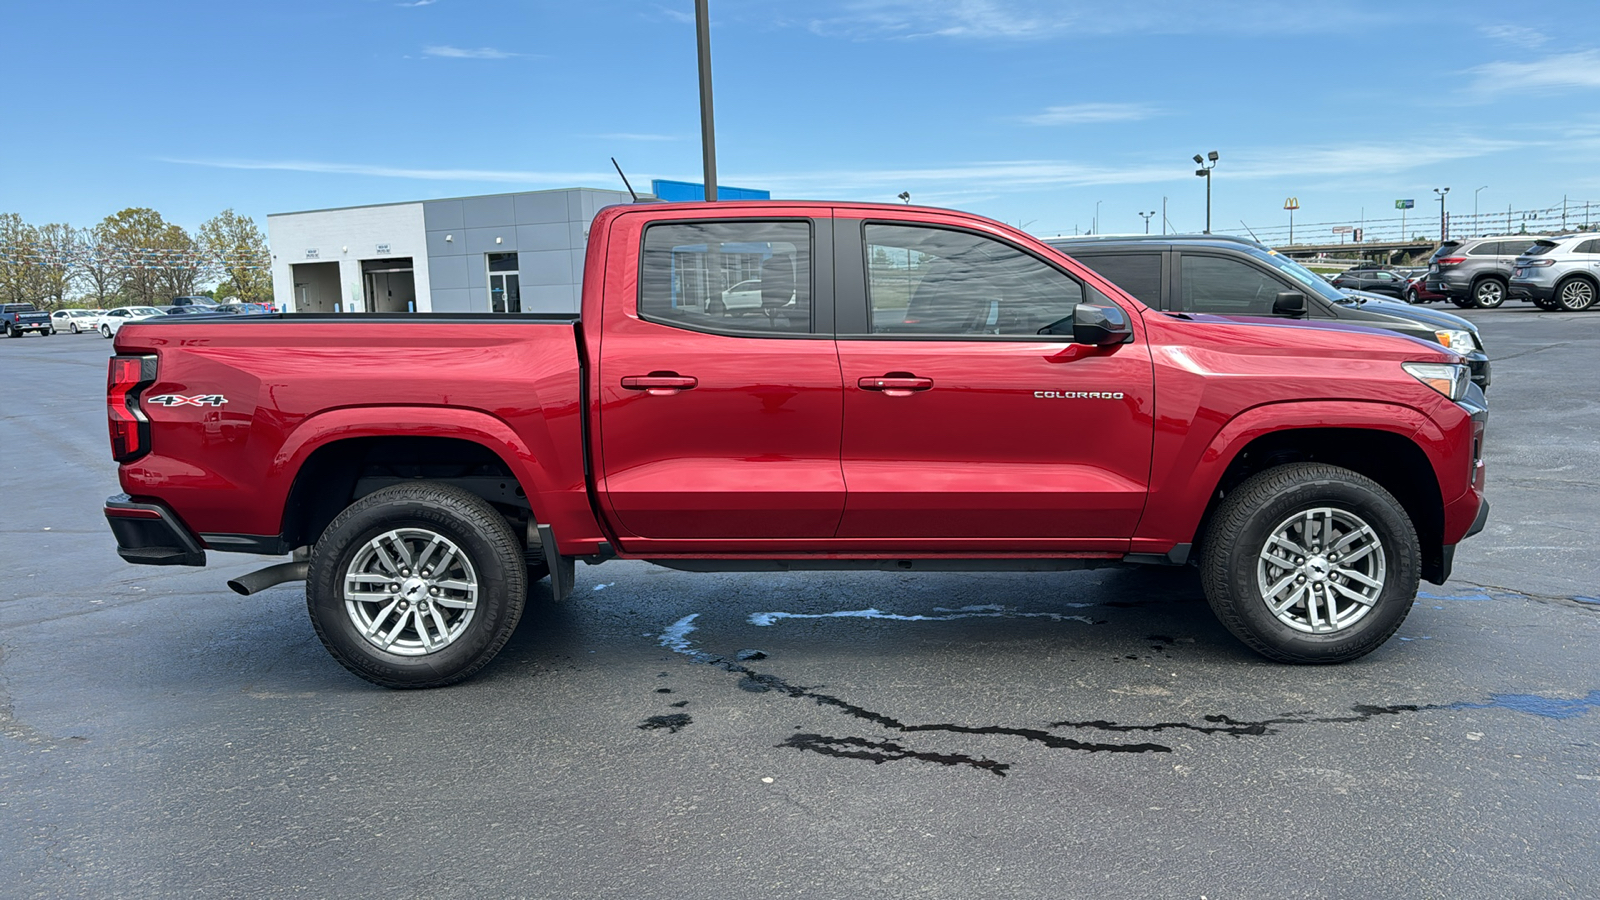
(1528, 290)
(149, 534)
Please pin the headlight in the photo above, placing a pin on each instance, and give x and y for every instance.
(1448, 379)
(1459, 341)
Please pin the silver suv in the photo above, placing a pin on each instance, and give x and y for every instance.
(1559, 273)
(1475, 271)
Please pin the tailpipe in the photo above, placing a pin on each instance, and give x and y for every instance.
(261, 579)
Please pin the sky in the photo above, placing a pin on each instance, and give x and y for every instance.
(1054, 115)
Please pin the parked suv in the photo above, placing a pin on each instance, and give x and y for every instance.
(1559, 273)
(1378, 281)
(1239, 277)
(1476, 271)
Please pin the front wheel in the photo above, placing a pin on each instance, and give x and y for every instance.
(1311, 563)
(12, 332)
(416, 585)
(75, 329)
(1575, 295)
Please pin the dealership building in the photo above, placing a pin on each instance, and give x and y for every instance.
(519, 252)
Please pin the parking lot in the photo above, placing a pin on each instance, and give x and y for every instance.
(665, 734)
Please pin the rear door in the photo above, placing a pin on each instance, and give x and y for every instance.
(718, 382)
(962, 425)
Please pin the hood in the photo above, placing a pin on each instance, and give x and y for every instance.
(1388, 306)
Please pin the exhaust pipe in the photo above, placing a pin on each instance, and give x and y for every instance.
(262, 579)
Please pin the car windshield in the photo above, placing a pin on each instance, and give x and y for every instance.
(145, 311)
(1299, 273)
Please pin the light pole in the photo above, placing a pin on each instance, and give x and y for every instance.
(1205, 172)
(1442, 230)
(1146, 216)
(1096, 228)
(1475, 209)
(906, 196)
(708, 140)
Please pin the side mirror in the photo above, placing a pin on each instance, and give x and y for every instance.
(1098, 326)
(1290, 303)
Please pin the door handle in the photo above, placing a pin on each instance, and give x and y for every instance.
(895, 384)
(660, 384)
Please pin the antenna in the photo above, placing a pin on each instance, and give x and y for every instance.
(1252, 233)
(625, 181)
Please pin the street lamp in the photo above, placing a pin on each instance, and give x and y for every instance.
(906, 196)
(1442, 230)
(1475, 209)
(1146, 216)
(708, 140)
(1205, 172)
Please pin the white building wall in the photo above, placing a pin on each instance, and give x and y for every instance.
(348, 236)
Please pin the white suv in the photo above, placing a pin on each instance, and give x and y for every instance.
(1560, 273)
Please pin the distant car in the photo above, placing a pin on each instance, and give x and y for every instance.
(197, 300)
(1376, 281)
(1560, 273)
(114, 319)
(76, 321)
(1416, 290)
(1476, 271)
(246, 309)
(190, 310)
(20, 318)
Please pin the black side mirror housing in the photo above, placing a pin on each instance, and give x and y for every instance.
(1098, 326)
(1291, 304)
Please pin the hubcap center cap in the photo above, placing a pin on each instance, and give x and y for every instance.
(413, 588)
(1316, 568)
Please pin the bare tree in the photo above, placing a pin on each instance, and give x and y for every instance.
(133, 242)
(54, 272)
(18, 260)
(99, 276)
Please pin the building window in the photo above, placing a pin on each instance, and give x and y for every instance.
(505, 292)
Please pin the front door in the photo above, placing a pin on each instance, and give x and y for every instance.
(719, 387)
(963, 424)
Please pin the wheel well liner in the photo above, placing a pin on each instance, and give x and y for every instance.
(1390, 459)
(339, 473)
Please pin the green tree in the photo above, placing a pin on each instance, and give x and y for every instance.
(54, 272)
(18, 260)
(240, 249)
(157, 259)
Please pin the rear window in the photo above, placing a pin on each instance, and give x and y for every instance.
(1448, 248)
(1137, 273)
(1541, 248)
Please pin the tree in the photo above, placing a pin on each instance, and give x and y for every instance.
(158, 260)
(98, 273)
(184, 263)
(240, 249)
(54, 272)
(18, 260)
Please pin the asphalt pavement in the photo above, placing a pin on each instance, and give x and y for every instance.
(668, 735)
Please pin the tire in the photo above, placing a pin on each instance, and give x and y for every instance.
(75, 329)
(1462, 302)
(1547, 304)
(365, 552)
(1411, 297)
(1290, 506)
(105, 332)
(1575, 295)
(12, 332)
(1488, 293)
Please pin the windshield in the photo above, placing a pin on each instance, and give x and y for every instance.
(145, 311)
(1299, 273)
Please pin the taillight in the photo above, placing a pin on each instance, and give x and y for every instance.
(126, 379)
(1452, 261)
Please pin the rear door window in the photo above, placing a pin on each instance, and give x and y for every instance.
(740, 277)
(1137, 273)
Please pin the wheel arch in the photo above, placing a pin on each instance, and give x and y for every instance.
(1393, 460)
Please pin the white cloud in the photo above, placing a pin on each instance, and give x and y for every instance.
(676, 15)
(1037, 19)
(1514, 34)
(1566, 70)
(565, 179)
(448, 52)
(1088, 113)
(416, 3)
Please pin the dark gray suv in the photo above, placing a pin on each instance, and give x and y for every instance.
(1476, 271)
(1236, 277)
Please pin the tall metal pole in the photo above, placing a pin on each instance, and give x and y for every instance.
(708, 132)
(1208, 201)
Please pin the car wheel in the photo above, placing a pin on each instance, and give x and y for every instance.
(1311, 563)
(1575, 295)
(1489, 293)
(75, 329)
(1411, 296)
(12, 332)
(105, 331)
(416, 585)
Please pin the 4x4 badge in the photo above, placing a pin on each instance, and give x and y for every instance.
(170, 400)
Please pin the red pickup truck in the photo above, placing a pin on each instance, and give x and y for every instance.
(787, 385)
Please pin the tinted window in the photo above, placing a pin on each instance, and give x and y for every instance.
(1591, 246)
(727, 276)
(1448, 248)
(1137, 273)
(1487, 248)
(933, 281)
(1213, 284)
(1541, 248)
(1516, 247)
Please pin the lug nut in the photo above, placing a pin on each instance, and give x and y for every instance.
(434, 591)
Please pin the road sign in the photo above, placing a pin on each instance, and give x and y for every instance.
(1405, 204)
(1292, 203)
(1343, 229)
(1356, 236)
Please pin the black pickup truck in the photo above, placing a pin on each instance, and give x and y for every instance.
(21, 318)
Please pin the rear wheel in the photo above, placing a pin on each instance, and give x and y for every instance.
(1310, 563)
(1575, 295)
(1489, 293)
(12, 332)
(416, 585)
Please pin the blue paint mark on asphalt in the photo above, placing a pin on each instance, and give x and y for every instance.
(1594, 600)
(1477, 596)
(1533, 704)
